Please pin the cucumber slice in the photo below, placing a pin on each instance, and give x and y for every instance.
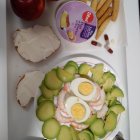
(52, 81)
(47, 93)
(90, 120)
(84, 136)
(90, 134)
(97, 128)
(109, 75)
(117, 102)
(74, 134)
(50, 129)
(86, 76)
(111, 122)
(84, 69)
(72, 63)
(108, 81)
(116, 92)
(96, 138)
(108, 96)
(40, 100)
(117, 109)
(97, 73)
(64, 76)
(65, 133)
(45, 110)
(55, 92)
(108, 85)
(112, 101)
(70, 68)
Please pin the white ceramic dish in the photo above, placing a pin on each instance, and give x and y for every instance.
(20, 121)
(91, 60)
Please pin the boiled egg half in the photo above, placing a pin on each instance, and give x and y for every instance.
(84, 89)
(78, 109)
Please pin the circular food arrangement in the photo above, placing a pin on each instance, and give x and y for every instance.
(79, 102)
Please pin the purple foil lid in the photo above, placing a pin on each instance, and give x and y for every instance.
(76, 21)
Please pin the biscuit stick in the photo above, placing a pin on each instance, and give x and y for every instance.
(106, 15)
(116, 5)
(102, 27)
(94, 5)
(100, 4)
(103, 9)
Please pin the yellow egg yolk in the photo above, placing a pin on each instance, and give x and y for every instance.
(78, 111)
(85, 88)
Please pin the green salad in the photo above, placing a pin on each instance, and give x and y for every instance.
(79, 102)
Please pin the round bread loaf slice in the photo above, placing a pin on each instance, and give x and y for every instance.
(28, 86)
(36, 43)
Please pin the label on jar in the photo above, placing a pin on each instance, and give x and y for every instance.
(76, 21)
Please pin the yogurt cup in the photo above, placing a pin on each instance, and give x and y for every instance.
(76, 21)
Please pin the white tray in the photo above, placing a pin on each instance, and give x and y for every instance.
(20, 122)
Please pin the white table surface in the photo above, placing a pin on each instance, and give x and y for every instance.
(133, 66)
(133, 69)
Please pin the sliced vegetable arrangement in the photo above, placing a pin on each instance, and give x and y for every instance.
(79, 102)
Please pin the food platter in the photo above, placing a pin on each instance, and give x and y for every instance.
(91, 60)
(65, 53)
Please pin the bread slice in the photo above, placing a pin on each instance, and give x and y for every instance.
(36, 43)
(28, 86)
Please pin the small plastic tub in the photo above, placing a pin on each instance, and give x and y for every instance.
(76, 21)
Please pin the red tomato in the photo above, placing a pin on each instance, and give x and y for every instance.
(28, 9)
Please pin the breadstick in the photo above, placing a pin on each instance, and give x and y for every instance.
(103, 9)
(94, 4)
(116, 5)
(100, 4)
(106, 15)
(102, 27)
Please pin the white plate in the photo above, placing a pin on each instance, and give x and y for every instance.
(91, 60)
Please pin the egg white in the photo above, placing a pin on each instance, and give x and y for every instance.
(74, 88)
(74, 100)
